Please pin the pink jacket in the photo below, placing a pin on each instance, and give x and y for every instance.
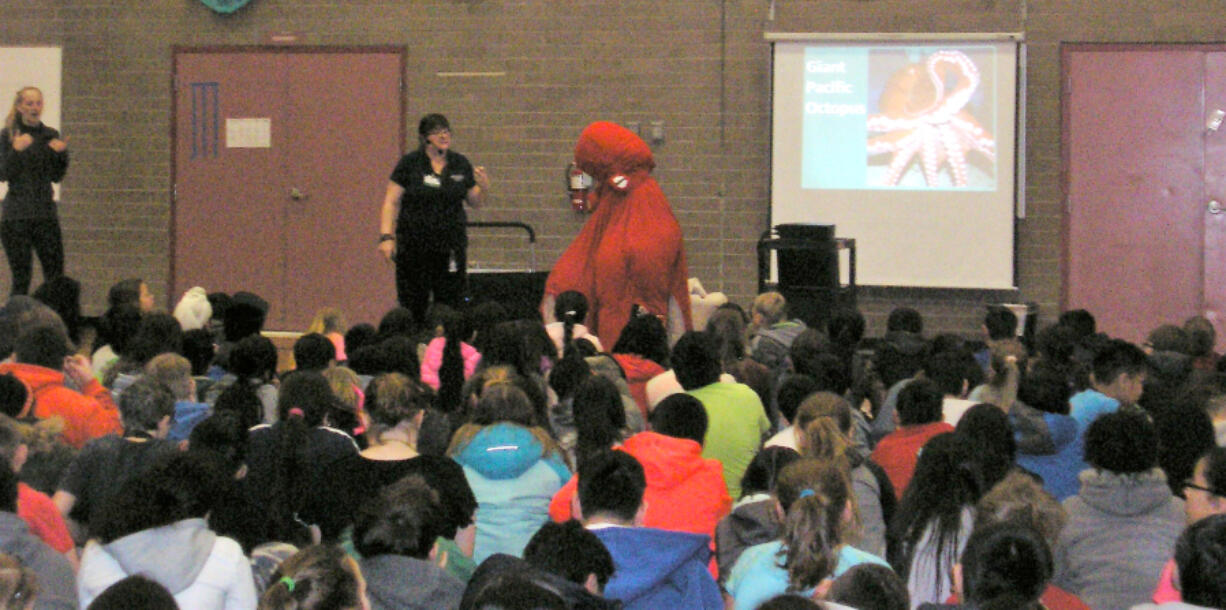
(433, 360)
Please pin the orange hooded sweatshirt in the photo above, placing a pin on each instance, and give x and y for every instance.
(685, 493)
(87, 414)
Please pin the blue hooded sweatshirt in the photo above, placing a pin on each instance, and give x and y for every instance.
(513, 481)
(1050, 446)
(659, 569)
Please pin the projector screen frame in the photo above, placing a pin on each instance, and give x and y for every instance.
(1016, 190)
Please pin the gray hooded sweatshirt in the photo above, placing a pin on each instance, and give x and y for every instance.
(1121, 530)
(55, 579)
(201, 569)
(395, 582)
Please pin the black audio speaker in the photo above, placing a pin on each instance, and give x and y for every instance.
(811, 258)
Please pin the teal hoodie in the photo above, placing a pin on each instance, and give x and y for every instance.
(513, 480)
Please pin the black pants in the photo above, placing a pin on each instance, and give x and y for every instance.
(21, 238)
(422, 273)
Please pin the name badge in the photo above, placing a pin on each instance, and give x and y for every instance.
(457, 177)
(431, 180)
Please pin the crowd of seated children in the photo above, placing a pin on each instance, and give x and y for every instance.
(323, 486)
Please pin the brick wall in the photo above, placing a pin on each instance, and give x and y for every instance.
(701, 66)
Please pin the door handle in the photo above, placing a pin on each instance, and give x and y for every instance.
(298, 195)
(1215, 207)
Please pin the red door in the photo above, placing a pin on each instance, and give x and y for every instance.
(1143, 249)
(281, 160)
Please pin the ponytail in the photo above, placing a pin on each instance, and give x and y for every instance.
(809, 540)
(241, 399)
(451, 370)
(814, 496)
(571, 308)
(319, 576)
(289, 471)
(823, 440)
(568, 332)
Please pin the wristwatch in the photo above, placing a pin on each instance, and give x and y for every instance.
(386, 237)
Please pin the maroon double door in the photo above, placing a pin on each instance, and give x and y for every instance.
(281, 160)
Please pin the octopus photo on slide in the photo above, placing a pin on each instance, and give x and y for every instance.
(923, 121)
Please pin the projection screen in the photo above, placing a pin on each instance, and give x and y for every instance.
(906, 145)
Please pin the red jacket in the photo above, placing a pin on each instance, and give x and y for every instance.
(87, 414)
(898, 452)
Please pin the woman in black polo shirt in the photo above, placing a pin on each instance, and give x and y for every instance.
(425, 204)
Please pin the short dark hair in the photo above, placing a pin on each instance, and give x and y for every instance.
(404, 519)
(1080, 321)
(948, 371)
(224, 434)
(789, 601)
(695, 359)
(1005, 562)
(870, 586)
(515, 591)
(1200, 555)
(920, 402)
(44, 346)
(431, 122)
(1000, 322)
(180, 485)
(680, 416)
(566, 376)
(360, 335)
(764, 469)
(123, 292)
(143, 405)
(828, 370)
(1046, 389)
(13, 395)
(792, 391)
(846, 326)
(1169, 338)
(906, 319)
(570, 551)
(612, 483)
(198, 349)
(254, 356)
(1201, 336)
(244, 316)
(1124, 441)
(1215, 470)
(643, 335)
(313, 352)
(135, 591)
(1118, 357)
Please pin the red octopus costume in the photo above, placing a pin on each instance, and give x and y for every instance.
(630, 250)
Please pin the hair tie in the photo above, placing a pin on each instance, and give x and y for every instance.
(804, 493)
(288, 582)
(296, 411)
(571, 312)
